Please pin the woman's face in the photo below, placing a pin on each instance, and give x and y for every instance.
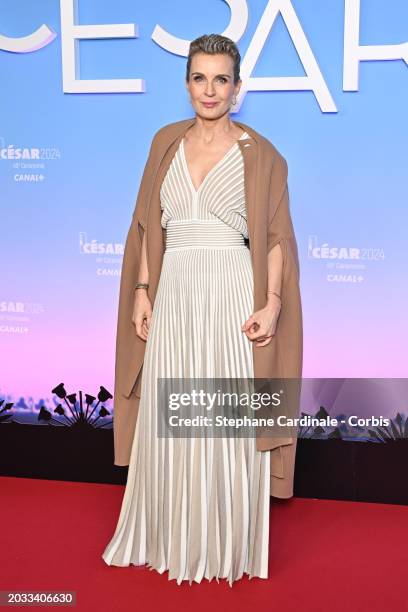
(211, 86)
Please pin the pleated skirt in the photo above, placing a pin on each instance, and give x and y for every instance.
(197, 506)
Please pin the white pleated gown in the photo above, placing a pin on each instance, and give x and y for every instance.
(197, 507)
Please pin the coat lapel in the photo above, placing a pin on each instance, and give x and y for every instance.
(249, 152)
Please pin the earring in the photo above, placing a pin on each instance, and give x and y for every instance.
(234, 102)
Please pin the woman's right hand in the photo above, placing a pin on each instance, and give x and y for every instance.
(142, 313)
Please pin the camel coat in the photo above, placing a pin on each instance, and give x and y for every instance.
(269, 223)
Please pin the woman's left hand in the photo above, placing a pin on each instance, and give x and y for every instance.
(261, 325)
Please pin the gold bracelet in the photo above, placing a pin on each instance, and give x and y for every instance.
(141, 286)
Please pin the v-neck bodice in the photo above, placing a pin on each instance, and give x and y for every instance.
(221, 195)
(183, 153)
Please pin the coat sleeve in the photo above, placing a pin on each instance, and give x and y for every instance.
(289, 335)
(280, 226)
(133, 245)
(127, 342)
(141, 205)
(283, 357)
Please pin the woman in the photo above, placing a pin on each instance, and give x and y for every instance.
(199, 507)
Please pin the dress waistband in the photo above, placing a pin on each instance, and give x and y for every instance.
(202, 234)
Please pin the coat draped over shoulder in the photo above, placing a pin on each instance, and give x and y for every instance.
(269, 223)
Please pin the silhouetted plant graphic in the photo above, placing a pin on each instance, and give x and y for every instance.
(319, 431)
(89, 411)
(5, 417)
(312, 431)
(78, 417)
(398, 428)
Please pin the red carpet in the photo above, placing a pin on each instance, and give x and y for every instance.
(324, 555)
